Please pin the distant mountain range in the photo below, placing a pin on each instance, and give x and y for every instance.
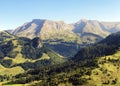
(87, 30)
(45, 29)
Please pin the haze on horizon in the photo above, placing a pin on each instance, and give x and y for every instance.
(16, 12)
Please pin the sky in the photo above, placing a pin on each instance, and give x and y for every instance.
(14, 13)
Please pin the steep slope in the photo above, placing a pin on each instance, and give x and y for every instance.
(45, 29)
(23, 54)
(96, 65)
(30, 29)
(53, 30)
(92, 31)
(53, 33)
(112, 27)
(107, 46)
(89, 26)
(56, 30)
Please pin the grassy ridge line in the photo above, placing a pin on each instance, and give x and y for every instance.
(107, 72)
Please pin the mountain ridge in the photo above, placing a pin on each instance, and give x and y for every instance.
(41, 26)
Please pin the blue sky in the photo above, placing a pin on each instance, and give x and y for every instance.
(14, 13)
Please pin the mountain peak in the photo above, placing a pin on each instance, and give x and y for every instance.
(83, 20)
(36, 20)
(52, 29)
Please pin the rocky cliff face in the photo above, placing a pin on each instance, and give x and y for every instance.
(87, 30)
(90, 26)
(55, 30)
(30, 29)
(46, 30)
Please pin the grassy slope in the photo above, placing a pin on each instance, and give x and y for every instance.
(15, 70)
(55, 57)
(20, 59)
(107, 71)
(11, 71)
(104, 75)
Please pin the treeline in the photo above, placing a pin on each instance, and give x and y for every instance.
(33, 65)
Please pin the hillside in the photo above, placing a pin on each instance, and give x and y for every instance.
(21, 54)
(107, 46)
(94, 65)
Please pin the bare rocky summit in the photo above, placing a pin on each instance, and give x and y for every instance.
(87, 30)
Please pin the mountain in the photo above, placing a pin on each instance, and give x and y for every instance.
(93, 65)
(112, 27)
(93, 30)
(96, 27)
(54, 34)
(90, 26)
(107, 46)
(60, 36)
(22, 54)
(45, 29)
(59, 30)
(29, 29)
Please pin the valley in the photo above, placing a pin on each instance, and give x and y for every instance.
(59, 43)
